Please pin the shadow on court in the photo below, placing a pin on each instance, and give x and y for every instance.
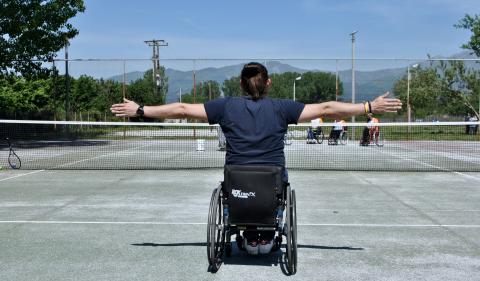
(204, 244)
(239, 257)
(151, 225)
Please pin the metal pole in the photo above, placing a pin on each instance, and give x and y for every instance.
(154, 57)
(156, 44)
(408, 96)
(194, 84)
(194, 95)
(336, 81)
(124, 96)
(67, 85)
(55, 92)
(209, 91)
(294, 89)
(353, 79)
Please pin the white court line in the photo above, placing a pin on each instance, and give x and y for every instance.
(61, 155)
(429, 165)
(444, 154)
(201, 223)
(104, 222)
(17, 176)
(75, 162)
(391, 225)
(100, 156)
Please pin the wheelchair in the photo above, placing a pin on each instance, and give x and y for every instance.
(315, 135)
(251, 198)
(337, 135)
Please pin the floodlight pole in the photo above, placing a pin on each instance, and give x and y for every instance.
(353, 79)
(409, 107)
(296, 79)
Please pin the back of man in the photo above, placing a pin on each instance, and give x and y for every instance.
(254, 129)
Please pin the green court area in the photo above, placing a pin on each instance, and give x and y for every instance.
(151, 225)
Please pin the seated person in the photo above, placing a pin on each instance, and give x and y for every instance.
(254, 124)
(472, 129)
(315, 129)
(372, 129)
(336, 131)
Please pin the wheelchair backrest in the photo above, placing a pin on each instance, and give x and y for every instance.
(252, 192)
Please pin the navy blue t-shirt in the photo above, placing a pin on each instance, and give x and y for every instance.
(254, 129)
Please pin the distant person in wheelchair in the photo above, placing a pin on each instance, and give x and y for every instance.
(371, 131)
(254, 126)
(315, 132)
(338, 128)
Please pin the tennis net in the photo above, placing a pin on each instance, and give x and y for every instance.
(435, 146)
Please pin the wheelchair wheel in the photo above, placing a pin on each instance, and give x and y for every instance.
(288, 138)
(291, 232)
(319, 136)
(379, 141)
(343, 138)
(215, 231)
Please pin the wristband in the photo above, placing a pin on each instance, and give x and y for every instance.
(369, 107)
(140, 111)
(366, 107)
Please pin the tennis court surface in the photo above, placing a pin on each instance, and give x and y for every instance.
(151, 225)
(123, 201)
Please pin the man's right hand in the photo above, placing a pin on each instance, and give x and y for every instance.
(383, 104)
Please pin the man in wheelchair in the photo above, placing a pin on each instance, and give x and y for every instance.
(254, 126)
(314, 132)
(337, 129)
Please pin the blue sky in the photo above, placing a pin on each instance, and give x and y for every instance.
(271, 29)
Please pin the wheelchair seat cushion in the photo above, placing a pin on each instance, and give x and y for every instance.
(252, 193)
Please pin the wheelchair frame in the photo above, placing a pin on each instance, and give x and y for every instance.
(220, 230)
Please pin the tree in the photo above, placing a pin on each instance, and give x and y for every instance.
(33, 31)
(231, 87)
(314, 87)
(462, 87)
(84, 91)
(471, 23)
(143, 90)
(317, 87)
(111, 92)
(426, 88)
(447, 88)
(206, 90)
(21, 98)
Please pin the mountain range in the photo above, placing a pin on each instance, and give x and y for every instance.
(369, 84)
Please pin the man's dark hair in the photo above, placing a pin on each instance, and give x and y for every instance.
(253, 80)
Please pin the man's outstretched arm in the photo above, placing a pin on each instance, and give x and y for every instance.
(173, 110)
(338, 110)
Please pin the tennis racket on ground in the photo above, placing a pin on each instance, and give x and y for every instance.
(13, 159)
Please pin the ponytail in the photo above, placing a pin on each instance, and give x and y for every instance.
(253, 80)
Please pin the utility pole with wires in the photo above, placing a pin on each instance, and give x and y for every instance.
(156, 44)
